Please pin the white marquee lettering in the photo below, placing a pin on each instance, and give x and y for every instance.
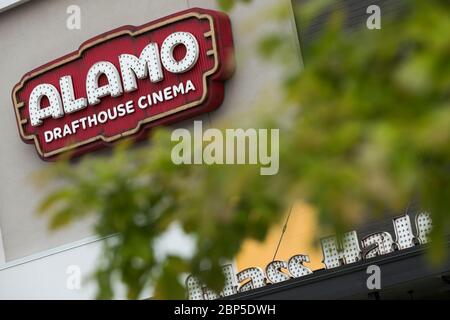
(192, 52)
(148, 63)
(113, 88)
(68, 96)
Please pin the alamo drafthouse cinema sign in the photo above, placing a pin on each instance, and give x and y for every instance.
(336, 252)
(123, 82)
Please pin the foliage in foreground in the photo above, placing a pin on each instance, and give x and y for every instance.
(365, 128)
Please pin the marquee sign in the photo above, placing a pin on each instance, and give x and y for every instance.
(125, 81)
(336, 252)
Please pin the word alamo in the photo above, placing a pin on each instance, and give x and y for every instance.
(119, 111)
(149, 64)
(236, 146)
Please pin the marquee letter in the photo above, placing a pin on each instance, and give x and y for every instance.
(424, 226)
(132, 67)
(54, 110)
(231, 285)
(113, 88)
(189, 60)
(194, 288)
(199, 291)
(296, 267)
(382, 244)
(210, 294)
(404, 237)
(334, 257)
(254, 275)
(274, 273)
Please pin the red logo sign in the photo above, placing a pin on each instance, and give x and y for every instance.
(123, 82)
